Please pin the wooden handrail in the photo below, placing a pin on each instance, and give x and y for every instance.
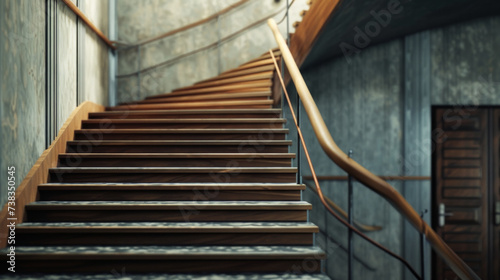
(188, 26)
(359, 172)
(319, 192)
(83, 17)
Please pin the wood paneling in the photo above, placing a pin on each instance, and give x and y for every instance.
(461, 183)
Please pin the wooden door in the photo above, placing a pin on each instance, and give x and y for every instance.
(461, 171)
(496, 194)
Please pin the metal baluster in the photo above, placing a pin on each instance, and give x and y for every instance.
(350, 218)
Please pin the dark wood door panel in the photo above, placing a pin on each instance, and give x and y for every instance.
(460, 186)
(495, 224)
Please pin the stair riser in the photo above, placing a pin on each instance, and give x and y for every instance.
(76, 177)
(60, 238)
(180, 125)
(188, 195)
(137, 115)
(249, 148)
(179, 215)
(75, 161)
(62, 265)
(96, 136)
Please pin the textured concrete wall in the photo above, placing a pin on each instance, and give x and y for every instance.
(360, 102)
(379, 105)
(155, 17)
(23, 112)
(22, 87)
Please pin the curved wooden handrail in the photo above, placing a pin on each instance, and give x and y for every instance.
(319, 192)
(84, 18)
(361, 174)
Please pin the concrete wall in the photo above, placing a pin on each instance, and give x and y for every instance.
(23, 76)
(379, 105)
(155, 17)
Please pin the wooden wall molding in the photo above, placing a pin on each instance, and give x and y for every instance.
(27, 190)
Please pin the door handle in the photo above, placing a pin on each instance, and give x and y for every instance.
(443, 214)
(497, 213)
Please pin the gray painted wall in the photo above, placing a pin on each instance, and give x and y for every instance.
(23, 114)
(155, 17)
(379, 105)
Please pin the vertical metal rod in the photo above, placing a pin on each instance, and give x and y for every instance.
(422, 256)
(350, 218)
(422, 250)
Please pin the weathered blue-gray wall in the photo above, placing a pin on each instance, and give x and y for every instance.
(379, 105)
(152, 18)
(23, 76)
(22, 82)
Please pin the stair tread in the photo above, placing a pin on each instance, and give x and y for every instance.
(169, 252)
(188, 227)
(170, 205)
(190, 120)
(182, 142)
(177, 155)
(190, 111)
(117, 275)
(175, 169)
(171, 186)
(185, 130)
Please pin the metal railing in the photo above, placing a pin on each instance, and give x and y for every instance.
(357, 171)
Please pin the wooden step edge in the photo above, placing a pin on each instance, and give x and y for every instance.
(166, 206)
(195, 104)
(177, 155)
(153, 228)
(186, 121)
(248, 86)
(181, 142)
(170, 186)
(232, 80)
(205, 97)
(155, 253)
(240, 72)
(187, 112)
(183, 130)
(215, 170)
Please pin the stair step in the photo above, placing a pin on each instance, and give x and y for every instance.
(157, 233)
(240, 78)
(167, 211)
(239, 72)
(208, 96)
(157, 192)
(212, 113)
(167, 259)
(265, 103)
(178, 146)
(183, 123)
(175, 159)
(180, 134)
(173, 174)
(256, 85)
(121, 274)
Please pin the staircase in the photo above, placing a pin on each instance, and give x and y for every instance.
(194, 182)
